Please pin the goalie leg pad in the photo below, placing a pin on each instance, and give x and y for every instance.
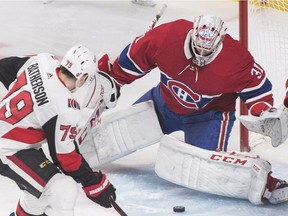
(260, 171)
(122, 133)
(220, 173)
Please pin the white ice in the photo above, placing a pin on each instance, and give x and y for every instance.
(29, 27)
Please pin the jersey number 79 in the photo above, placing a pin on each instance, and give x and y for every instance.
(19, 105)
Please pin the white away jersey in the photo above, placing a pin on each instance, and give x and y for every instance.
(35, 99)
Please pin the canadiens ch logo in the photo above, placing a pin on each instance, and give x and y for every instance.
(183, 94)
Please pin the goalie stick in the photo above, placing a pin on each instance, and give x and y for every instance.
(157, 17)
(117, 207)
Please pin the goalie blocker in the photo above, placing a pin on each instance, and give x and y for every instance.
(221, 173)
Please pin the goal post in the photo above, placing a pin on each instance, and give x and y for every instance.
(243, 37)
(263, 30)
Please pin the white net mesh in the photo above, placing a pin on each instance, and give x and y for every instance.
(268, 43)
(268, 40)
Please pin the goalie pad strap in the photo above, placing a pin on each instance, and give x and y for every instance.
(220, 173)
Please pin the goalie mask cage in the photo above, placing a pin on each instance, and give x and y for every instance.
(263, 28)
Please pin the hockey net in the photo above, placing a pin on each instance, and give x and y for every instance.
(267, 36)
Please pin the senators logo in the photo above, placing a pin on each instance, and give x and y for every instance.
(73, 104)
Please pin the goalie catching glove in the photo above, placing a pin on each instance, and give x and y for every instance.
(101, 192)
(272, 122)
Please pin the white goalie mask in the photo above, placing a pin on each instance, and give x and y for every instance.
(79, 61)
(207, 36)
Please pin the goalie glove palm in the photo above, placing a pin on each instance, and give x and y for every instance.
(102, 192)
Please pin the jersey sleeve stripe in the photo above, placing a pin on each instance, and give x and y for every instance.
(256, 93)
(262, 83)
(25, 135)
(258, 97)
(128, 65)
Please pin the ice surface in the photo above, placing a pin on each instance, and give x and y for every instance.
(29, 27)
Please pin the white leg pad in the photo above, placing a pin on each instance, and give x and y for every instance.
(260, 170)
(220, 173)
(122, 133)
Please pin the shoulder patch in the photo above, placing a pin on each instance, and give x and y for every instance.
(72, 103)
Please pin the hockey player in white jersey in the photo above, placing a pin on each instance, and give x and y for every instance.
(38, 108)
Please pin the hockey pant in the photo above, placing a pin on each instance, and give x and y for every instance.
(41, 183)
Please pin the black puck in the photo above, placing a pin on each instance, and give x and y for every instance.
(178, 208)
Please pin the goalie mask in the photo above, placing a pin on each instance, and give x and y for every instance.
(207, 36)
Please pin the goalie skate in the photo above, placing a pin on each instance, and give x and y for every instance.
(280, 193)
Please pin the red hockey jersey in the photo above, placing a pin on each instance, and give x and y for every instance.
(185, 87)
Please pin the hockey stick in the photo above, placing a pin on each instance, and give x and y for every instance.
(117, 207)
(157, 17)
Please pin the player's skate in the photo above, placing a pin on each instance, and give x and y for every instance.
(151, 3)
(278, 190)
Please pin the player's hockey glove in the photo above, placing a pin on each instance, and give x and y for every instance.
(101, 192)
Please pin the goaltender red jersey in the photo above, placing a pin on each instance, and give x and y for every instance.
(185, 87)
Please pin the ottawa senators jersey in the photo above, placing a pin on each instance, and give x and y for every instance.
(185, 87)
(35, 99)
